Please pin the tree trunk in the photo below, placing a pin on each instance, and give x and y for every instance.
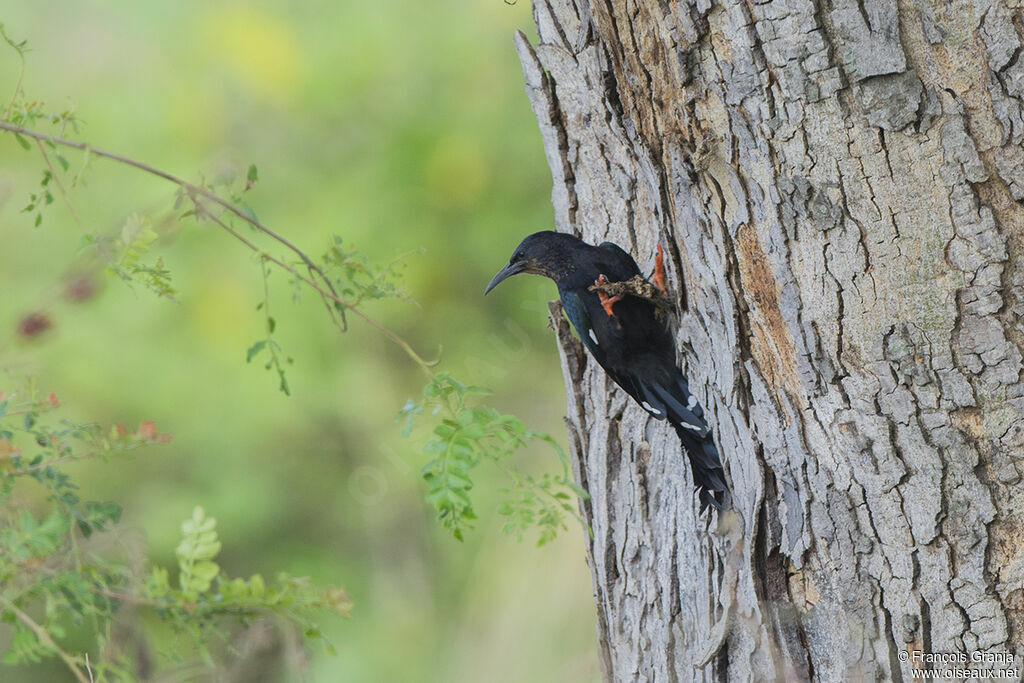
(839, 188)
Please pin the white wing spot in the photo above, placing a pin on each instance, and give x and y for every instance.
(651, 409)
(594, 336)
(691, 402)
(692, 428)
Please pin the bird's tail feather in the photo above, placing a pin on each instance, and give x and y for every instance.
(708, 474)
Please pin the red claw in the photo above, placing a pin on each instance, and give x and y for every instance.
(606, 301)
(659, 272)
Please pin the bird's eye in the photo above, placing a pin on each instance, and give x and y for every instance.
(518, 256)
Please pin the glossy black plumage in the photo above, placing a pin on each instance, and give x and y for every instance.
(634, 346)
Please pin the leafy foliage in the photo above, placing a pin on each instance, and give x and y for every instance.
(50, 564)
(357, 278)
(208, 592)
(469, 434)
(138, 237)
(43, 198)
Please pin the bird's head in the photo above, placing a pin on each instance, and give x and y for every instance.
(546, 253)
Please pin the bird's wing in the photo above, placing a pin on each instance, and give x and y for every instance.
(576, 310)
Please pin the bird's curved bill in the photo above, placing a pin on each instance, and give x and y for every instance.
(509, 270)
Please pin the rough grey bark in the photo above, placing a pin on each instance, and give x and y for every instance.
(839, 186)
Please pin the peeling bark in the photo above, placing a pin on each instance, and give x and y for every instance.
(839, 188)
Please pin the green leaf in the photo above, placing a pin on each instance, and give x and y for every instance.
(256, 586)
(254, 350)
(444, 431)
(205, 571)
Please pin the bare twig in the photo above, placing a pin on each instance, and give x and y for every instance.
(639, 287)
(636, 286)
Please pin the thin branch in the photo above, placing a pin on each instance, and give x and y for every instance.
(192, 189)
(21, 69)
(324, 293)
(317, 279)
(60, 186)
(20, 471)
(45, 638)
(331, 296)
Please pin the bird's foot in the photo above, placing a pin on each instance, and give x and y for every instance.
(606, 301)
(659, 271)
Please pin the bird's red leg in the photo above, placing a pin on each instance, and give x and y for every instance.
(606, 300)
(659, 272)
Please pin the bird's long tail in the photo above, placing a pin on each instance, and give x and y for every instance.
(708, 474)
(665, 393)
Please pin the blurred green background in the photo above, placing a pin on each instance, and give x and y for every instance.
(395, 124)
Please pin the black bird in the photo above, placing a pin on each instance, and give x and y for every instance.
(627, 337)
